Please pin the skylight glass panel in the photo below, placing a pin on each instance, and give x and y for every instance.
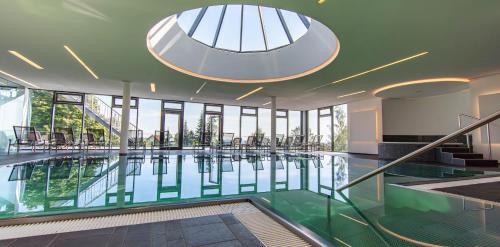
(187, 18)
(275, 32)
(229, 34)
(295, 26)
(205, 32)
(252, 36)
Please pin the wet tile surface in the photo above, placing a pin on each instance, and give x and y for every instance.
(218, 230)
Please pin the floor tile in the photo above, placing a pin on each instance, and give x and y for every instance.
(201, 221)
(232, 243)
(38, 241)
(244, 235)
(207, 234)
(229, 219)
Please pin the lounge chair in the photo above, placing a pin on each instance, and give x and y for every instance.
(136, 139)
(95, 138)
(27, 136)
(227, 141)
(63, 137)
(251, 143)
(161, 139)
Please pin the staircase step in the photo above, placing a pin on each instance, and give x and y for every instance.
(468, 156)
(480, 162)
(455, 150)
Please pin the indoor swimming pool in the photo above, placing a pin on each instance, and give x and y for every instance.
(377, 212)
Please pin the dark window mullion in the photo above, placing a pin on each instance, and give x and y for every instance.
(304, 20)
(241, 27)
(262, 27)
(221, 19)
(197, 21)
(283, 23)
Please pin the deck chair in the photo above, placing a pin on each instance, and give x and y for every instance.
(161, 139)
(287, 144)
(227, 141)
(136, 139)
(27, 136)
(251, 143)
(279, 140)
(236, 145)
(95, 138)
(63, 137)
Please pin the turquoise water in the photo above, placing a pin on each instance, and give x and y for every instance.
(373, 213)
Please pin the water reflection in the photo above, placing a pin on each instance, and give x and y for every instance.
(62, 184)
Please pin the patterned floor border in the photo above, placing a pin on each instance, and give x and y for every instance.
(269, 228)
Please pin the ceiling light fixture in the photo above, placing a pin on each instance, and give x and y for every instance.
(25, 59)
(249, 93)
(80, 61)
(153, 87)
(19, 79)
(430, 80)
(351, 94)
(321, 1)
(267, 103)
(373, 70)
(199, 89)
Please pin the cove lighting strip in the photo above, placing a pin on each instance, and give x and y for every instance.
(407, 83)
(19, 79)
(25, 59)
(80, 61)
(351, 94)
(202, 86)
(373, 70)
(249, 93)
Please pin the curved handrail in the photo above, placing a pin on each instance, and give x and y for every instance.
(424, 149)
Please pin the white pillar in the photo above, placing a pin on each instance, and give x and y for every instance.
(273, 124)
(125, 119)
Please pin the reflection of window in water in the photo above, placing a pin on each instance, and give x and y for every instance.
(340, 176)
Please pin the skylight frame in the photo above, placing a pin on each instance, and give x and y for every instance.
(305, 20)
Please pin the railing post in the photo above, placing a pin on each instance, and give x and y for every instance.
(489, 140)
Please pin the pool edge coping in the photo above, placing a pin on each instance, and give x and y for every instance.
(303, 232)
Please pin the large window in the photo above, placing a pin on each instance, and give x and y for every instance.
(193, 123)
(11, 105)
(294, 123)
(232, 120)
(325, 128)
(340, 128)
(149, 119)
(265, 122)
(248, 122)
(282, 122)
(312, 122)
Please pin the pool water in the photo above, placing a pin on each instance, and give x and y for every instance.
(376, 212)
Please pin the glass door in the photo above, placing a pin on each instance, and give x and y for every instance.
(212, 130)
(172, 127)
(67, 117)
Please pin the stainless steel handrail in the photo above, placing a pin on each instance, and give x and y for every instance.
(424, 149)
(488, 135)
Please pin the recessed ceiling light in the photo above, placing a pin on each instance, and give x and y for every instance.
(19, 79)
(249, 93)
(25, 59)
(191, 98)
(199, 89)
(430, 80)
(351, 94)
(153, 87)
(80, 61)
(372, 70)
(321, 1)
(267, 103)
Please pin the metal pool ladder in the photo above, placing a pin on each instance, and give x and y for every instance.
(467, 129)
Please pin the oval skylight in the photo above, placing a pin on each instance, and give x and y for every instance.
(242, 43)
(243, 28)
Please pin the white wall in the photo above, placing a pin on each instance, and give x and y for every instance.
(436, 115)
(365, 126)
(485, 100)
